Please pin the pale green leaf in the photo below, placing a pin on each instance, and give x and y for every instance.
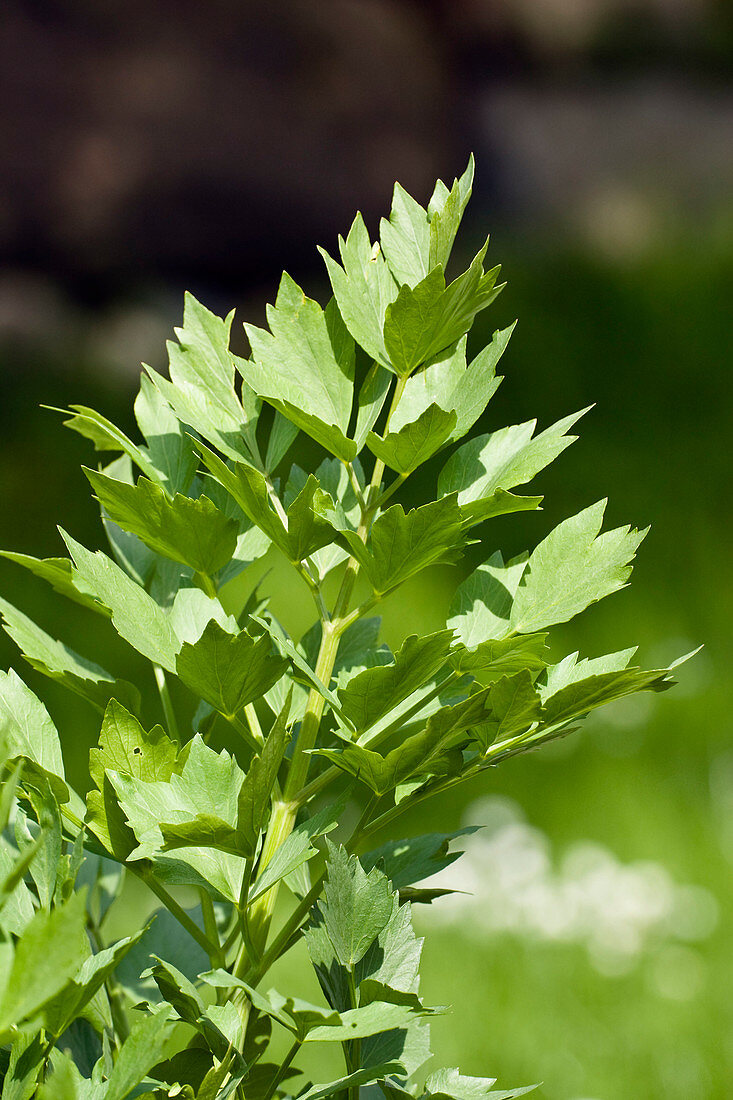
(515, 707)
(60, 574)
(405, 238)
(46, 956)
(355, 907)
(449, 382)
(445, 211)
(26, 725)
(427, 318)
(126, 747)
(572, 568)
(415, 442)
(504, 459)
(306, 527)
(402, 544)
(296, 849)
(106, 436)
(415, 858)
(371, 399)
(494, 658)
(482, 604)
(363, 289)
(169, 446)
(581, 696)
(305, 367)
(201, 387)
(136, 617)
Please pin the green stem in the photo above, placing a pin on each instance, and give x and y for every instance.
(284, 811)
(204, 581)
(294, 922)
(244, 732)
(115, 996)
(282, 1070)
(254, 723)
(165, 698)
(177, 911)
(207, 910)
(352, 1049)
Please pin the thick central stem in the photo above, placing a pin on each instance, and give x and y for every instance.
(284, 810)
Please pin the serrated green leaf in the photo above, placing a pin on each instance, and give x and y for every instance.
(370, 402)
(169, 447)
(415, 858)
(414, 443)
(448, 381)
(504, 459)
(307, 528)
(60, 663)
(229, 671)
(208, 784)
(191, 612)
(296, 849)
(60, 574)
(106, 436)
(515, 707)
(570, 669)
(572, 568)
(415, 240)
(363, 289)
(192, 532)
(430, 751)
(449, 1084)
(374, 692)
(445, 211)
(425, 319)
(78, 994)
(367, 1020)
(482, 604)
(492, 659)
(47, 954)
(26, 725)
(139, 1053)
(305, 367)
(581, 696)
(402, 544)
(355, 907)
(405, 238)
(332, 478)
(201, 387)
(126, 747)
(135, 616)
(357, 1079)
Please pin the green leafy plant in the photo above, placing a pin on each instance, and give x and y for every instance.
(250, 803)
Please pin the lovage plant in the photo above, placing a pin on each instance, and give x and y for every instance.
(250, 798)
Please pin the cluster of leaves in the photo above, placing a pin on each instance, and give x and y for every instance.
(381, 380)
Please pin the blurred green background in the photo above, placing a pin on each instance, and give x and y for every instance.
(593, 949)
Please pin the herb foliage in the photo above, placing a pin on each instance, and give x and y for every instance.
(381, 380)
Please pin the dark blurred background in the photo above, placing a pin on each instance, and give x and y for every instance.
(152, 148)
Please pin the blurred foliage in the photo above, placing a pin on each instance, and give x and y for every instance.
(649, 341)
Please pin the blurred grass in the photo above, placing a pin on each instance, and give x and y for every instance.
(649, 342)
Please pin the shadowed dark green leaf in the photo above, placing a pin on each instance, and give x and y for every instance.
(229, 671)
(374, 692)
